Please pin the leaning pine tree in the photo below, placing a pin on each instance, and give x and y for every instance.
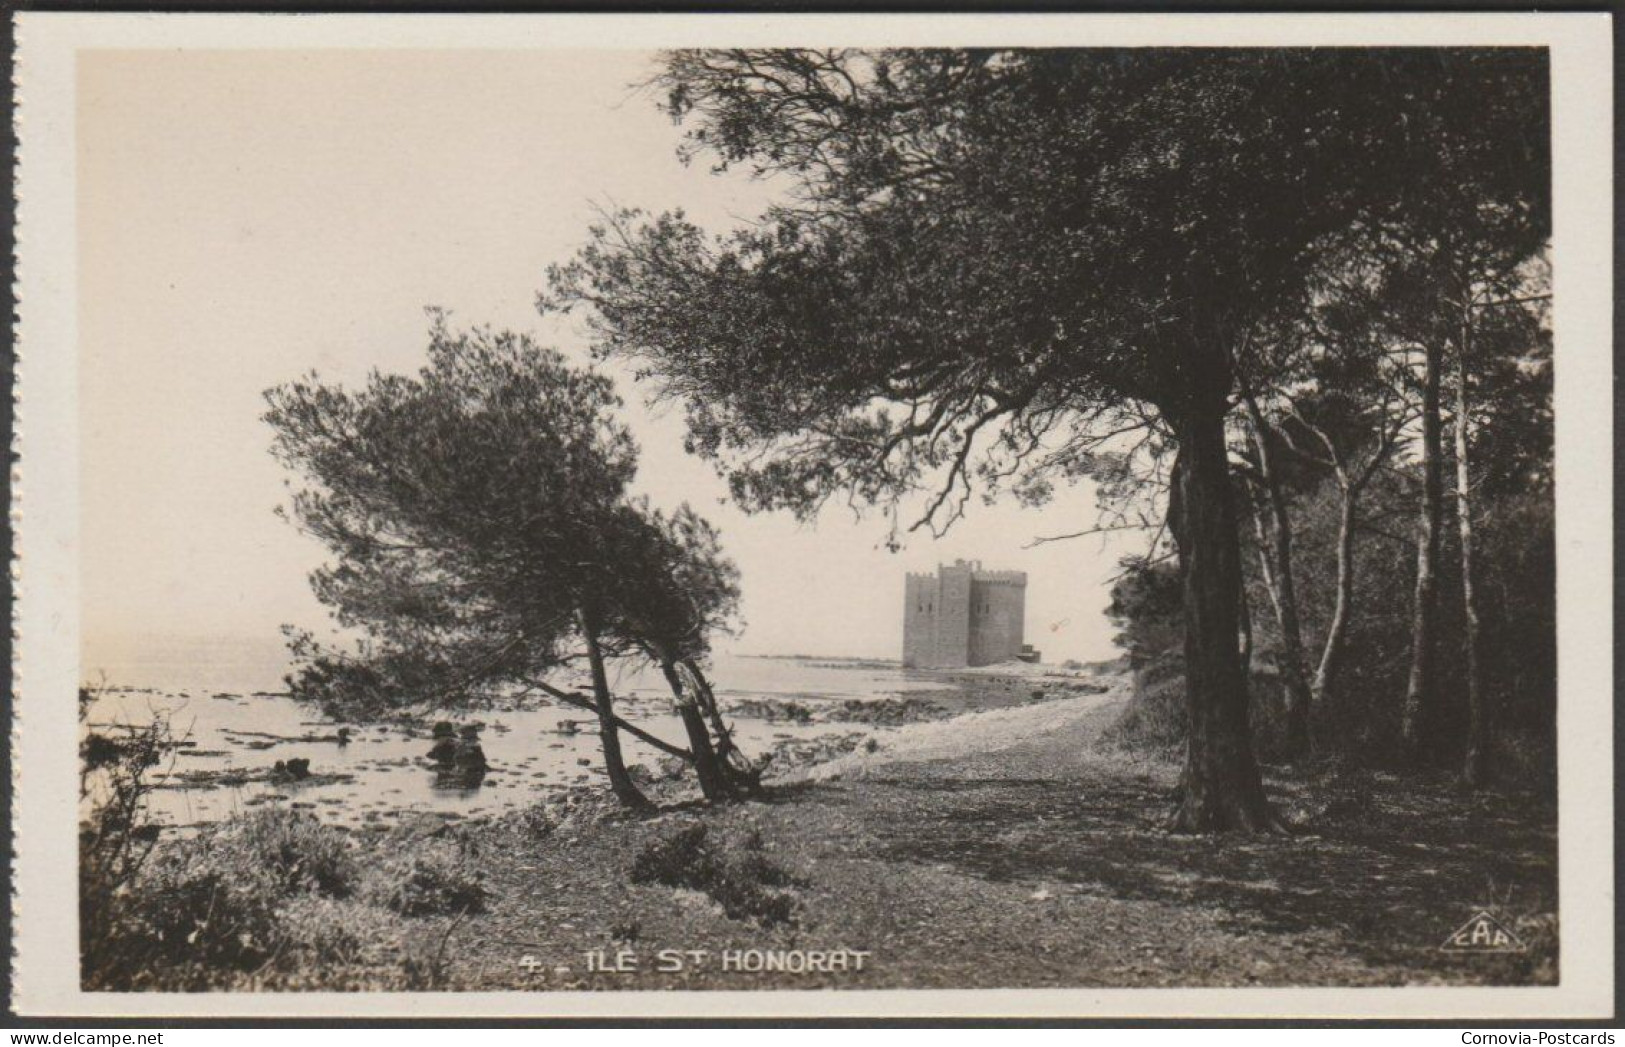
(670, 592)
(484, 543)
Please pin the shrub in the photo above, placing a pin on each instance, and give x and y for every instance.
(437, 879)
(117, 838)
(298, 850)
(537, 821)
(196, 905)
(1155, 716)
(1527, 759)
(738, 878)
(425, 964)
(194, 911)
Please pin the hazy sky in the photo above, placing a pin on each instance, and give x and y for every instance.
(247, 216)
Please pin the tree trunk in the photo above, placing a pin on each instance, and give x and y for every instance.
(1220, 787)
(608, 733)
(1475, 767)
(708, 702)
(714, 784)
(1331, 656)
(1246, 613)
(1283, 590)
(1415, 723)
(741, 774)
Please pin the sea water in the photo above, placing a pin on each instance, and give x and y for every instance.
(224, 701)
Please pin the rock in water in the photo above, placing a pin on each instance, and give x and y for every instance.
(465, 769)
(444, 752)
(469, 755)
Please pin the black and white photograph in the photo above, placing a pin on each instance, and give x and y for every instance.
(602, 513)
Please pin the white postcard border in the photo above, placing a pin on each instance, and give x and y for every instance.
(46, 513)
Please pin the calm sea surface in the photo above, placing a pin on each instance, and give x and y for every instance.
(220, 696)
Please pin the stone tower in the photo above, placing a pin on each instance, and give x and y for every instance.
(963, 615)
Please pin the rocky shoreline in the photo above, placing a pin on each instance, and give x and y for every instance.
(238, 750)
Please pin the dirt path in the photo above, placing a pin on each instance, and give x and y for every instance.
(1004, 849)
(1061, 733)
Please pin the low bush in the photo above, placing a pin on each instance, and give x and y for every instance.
(739, 877)
(196, 906)
(1526, 759)
(1155, 716)
(117, 839)
(210, 906)
(438, 878)
(297, 849)
(537, 821)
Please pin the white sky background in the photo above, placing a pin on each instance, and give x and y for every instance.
(248, 216)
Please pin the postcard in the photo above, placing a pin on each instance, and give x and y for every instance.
(813, 516)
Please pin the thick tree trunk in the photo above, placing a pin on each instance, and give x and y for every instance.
(608, 732)
(1220, 787)
(1476, 766)
(1331, 656)
(1419, 690)
(714, 784)
(1283, 591)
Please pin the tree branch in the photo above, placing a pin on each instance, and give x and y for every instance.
(637, 732)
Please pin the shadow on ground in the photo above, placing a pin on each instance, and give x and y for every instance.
(1391, 866)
